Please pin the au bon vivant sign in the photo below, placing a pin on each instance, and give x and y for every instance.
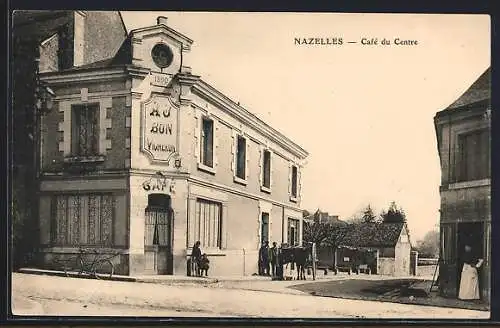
(160, 138)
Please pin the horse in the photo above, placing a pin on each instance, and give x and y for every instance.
(299, 256)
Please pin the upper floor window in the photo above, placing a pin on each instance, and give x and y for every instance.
(474, 156)
(294, 181)
(85, 130)
(241, 157)
(266, 169)
(207, 142)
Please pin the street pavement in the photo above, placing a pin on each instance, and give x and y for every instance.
(59, 296)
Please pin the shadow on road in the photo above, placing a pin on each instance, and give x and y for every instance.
(406, 291)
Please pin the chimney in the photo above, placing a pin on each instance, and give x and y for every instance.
(161, 20)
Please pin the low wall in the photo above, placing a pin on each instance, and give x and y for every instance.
(58, 259)
(385, 266)
(233, 263)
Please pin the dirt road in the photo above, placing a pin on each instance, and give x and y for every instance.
(70, 296)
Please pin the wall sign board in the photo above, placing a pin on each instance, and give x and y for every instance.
(159, 127)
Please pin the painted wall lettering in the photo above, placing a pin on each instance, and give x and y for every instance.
(159, 128)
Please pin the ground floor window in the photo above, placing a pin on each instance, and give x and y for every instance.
(208, 223)
(293, 232)
(83, 219)
(264, 233)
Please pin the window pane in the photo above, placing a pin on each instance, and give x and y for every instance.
(94, 219)
(241, 158)
(267, 169)
(208, 220)
(294, 181)
(85, 130)
(474, 158)
(61, 220)
(207, 142)
(74, 220)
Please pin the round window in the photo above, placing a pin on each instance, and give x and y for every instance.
(162, 55)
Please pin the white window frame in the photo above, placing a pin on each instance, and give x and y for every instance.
(221, 223)
(234, 156)
(261, 164)
(264, 207)
(293, 198)
(66, 107)
(199, 151)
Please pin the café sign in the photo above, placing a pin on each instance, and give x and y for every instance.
(159, 129)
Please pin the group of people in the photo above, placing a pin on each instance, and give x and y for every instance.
(269, 259)
(199, 261)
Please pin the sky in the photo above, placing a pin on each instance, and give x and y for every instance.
(363, 112)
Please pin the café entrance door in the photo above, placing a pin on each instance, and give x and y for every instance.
(158, 235)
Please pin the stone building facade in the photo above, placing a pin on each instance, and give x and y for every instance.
(45, 41)
(143, 158)
(463, 137)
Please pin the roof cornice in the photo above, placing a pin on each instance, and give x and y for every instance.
(469, 111)
(207, 91)
(84, 75)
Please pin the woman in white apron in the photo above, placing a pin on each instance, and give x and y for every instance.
(469, 281)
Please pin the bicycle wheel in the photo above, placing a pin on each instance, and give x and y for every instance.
(81, 267)
(105, 267)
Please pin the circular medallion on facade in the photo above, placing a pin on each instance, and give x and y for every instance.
(162, 55)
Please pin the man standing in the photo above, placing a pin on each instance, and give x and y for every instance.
(264, 258)
(195, 259)
(274, 258)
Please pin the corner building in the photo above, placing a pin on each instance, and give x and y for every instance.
(142, 157)
(463, 133)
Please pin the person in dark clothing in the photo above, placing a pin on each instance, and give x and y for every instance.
(204, 265)
(264, 259)
(195, 258)
(274, 258)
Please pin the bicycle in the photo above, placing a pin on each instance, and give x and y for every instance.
(91, 267)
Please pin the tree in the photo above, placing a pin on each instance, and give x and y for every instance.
(428, 247)
(368, 215)
(394, 214)
(315, 232)
(336, 235)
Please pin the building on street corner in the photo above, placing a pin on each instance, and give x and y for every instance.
(141, 156)
(463, 137)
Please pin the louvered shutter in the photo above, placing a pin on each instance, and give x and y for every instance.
(234, 148)
(216, 142)
(247, 157)
(261, 166)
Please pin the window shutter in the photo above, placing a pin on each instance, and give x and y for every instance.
(234, 150)
(290, 171)
(271, 168)
(259, 228)
(247, 157)
(197, 137)
(216, 142)
(299, 183)
(261, 167)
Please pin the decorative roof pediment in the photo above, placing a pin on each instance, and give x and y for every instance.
(159, 47)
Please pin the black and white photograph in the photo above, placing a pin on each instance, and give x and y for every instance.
(287, 165)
